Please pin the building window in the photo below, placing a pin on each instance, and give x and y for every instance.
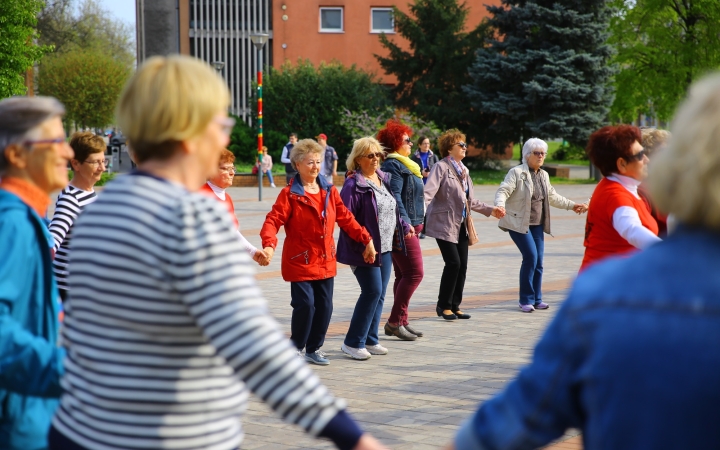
(331, 20)
(381, 20)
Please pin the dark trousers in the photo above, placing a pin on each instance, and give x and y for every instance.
(409, 272)
(532, 247)
(312, 308)
(452, 281)
(365, 320)
(289, 176)
(58, 441)
(63, 294)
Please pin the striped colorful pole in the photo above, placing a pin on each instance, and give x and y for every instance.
(260, 130)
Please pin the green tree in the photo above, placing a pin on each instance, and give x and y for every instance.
(432, 72)
(68, 26)
(546, 73)
(87, 82)
(310, 100)
(662, 47)
(18, 49)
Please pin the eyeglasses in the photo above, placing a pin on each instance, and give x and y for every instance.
(540, 154)
(226, 124)
(407, 141)
(44, 141)
(638, 156)
(97, 164)
(228, 169)
(461, 144)
(373, 155)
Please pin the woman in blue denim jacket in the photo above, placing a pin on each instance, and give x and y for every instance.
(367, 194)
(632, 358)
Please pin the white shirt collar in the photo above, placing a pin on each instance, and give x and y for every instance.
(220, 192)
(629, 183)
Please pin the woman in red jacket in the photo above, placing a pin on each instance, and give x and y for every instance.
(308, 208)
(618, 221)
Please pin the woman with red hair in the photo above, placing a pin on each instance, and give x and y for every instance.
(618, 221)
(406, 183)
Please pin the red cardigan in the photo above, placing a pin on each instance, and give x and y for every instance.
(601, 238)
(309, 251)
(206, 189)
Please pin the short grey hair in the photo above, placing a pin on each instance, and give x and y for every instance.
(302, 149)
(531, 145)
(20, 118)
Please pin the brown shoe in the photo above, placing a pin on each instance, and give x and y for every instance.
(412, 330)
(399, 331)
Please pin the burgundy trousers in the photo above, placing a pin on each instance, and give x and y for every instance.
(409, 273)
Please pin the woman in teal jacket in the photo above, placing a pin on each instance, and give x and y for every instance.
(33, 163)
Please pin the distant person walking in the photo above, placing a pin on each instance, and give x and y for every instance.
(527, 195)
(368, 195)
(424, 157)
(33, 164)
(162, 349)
(290, 172)
(329, 161)
(308, 209)
(448, 195)
(407, 187)
(88, 166)
(619, 221)
(266, 166)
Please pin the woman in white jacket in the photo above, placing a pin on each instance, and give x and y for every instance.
(526, 195)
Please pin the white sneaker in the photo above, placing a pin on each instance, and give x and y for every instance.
(301, 354)
(360, 354)
(272, 185)
(376, 349)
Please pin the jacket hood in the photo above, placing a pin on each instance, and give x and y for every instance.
(361, 181)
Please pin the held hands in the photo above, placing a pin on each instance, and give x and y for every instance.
(261, 257)
(411, 233)
(498, 212)
(369, 253)
(580, 208)
(269, 252)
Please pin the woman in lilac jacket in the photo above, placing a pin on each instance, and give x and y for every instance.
(367, 194)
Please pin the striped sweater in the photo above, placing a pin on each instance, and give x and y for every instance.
(68, 207)
(166, 330)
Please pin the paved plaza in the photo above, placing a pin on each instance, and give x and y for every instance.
(416, 396)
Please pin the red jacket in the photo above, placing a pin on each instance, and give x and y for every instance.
(309, 251)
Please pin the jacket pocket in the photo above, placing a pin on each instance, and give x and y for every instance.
(305, 254)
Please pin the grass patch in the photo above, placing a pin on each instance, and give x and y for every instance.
(552, 146)
(104, 178)
(247, 168)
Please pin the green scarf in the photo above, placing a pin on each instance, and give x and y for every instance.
(409, 163)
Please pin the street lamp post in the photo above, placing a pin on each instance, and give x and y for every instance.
(259, 40)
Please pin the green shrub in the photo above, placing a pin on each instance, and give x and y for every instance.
(569, 152)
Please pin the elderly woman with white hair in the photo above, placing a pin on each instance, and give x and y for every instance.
(526, 194)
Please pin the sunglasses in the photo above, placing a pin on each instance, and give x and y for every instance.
(407, 141)
(373, 155)
(638, 156)
(461, 144)
(540, 154)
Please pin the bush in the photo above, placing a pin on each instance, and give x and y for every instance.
(310, 100)
(568, 151)
(366, 123)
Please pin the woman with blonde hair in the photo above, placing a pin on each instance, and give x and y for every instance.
(166, 329)
(368, 195)
(448, 194)
(654, 141)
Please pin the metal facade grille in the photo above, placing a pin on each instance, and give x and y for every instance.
(220, 32)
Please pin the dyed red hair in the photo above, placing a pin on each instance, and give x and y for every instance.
(226, 156)
(609, 143)
(391, 137)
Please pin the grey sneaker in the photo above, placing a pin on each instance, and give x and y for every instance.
(527, 308)
(360, 354)
(541, 305)
(376, 349)
(317, 358)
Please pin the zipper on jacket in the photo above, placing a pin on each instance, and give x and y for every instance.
(307, 256)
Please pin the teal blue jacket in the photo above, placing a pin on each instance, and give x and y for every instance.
(31, 363)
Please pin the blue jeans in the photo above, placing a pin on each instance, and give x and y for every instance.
(532, 247)
(312, 308)
(268, 173)
(365, 320)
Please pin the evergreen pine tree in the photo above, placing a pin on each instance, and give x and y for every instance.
(432, 72)
(546, 73)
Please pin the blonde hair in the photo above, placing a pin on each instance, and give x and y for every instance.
(653, 139)
(302, 149)
(684, 178)
(448, 139)
(170, 99)
(361, 147)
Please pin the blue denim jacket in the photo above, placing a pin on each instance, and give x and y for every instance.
(632, 358)
(408, 191)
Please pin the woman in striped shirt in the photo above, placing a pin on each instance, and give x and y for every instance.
(166, 329)
(88, 166)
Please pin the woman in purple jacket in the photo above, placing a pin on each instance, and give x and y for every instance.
(367, 194)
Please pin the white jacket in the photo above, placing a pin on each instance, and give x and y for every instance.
(515, 194)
